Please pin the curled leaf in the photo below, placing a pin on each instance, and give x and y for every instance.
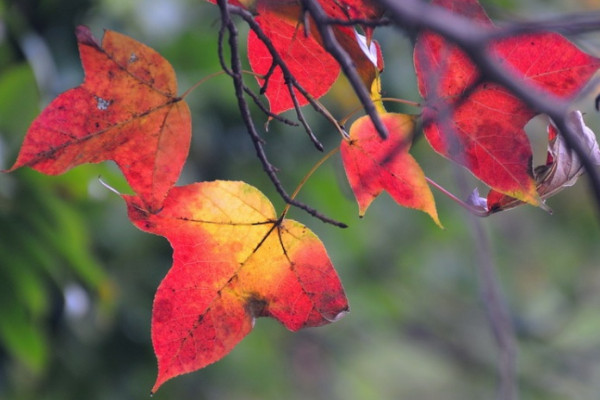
(563, 166)
(562, 169)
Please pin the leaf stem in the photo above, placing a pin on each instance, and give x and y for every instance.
(307, 176)
(344, 120)
(106, 185)
(214, 75)
(473, 210)
(200, 82)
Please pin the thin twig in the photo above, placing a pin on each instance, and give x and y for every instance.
(474, 40)
(265, 110)
(473, 210)
(235, 71)
(308, 175)
(332, 46)
(278, 60)
(344, 120)
(301, 118)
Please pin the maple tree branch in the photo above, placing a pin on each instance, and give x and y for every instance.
(372, 23)
(474, 39)
(235, 71)
(265, 110)
(300, 116)
(255, 98)
(333, 47)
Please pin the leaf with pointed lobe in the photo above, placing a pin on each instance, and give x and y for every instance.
(374, 164)
(233, 261)
(485, 129)
(126, 110)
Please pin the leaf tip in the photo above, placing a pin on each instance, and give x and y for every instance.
(157, 384)
(84, 36)
(546, 208)
(436, 219)
(339, 315)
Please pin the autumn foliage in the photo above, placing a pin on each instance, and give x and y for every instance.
(234, 258)
(126, 110)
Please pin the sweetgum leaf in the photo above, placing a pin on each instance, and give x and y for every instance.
(374, 164)
(233, 261)
(485, 129)
(126, 110)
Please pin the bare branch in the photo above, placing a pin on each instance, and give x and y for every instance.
(235, 71)
(331, 44)
(474, 39)
(288, 77)
(573, 24)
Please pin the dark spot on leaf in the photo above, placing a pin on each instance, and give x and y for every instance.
(149, 225)
(256, 306)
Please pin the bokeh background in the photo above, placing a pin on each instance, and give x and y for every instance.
(77, 279)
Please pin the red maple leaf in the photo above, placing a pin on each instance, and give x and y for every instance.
(126, 110)
(485, 130)
(373, 164)
(233, 261)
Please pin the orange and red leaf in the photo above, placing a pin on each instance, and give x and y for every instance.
(233, 261)
(374, 164)
(126, 110)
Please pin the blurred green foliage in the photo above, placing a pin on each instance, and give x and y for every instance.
(77, 279)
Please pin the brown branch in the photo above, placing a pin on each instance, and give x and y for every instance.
(372, 23)
(332, 46)
(573, 24)
(265, 110)
(234, 70)
(288, 77)
(474, 40)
